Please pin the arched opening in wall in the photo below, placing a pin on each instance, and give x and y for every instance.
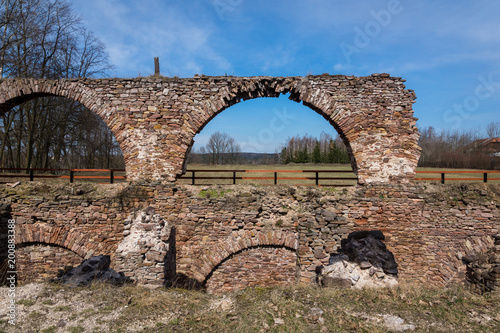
(39, 262)
(276, 135)
(253, 266)
(53, 132)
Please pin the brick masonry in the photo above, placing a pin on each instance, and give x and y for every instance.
(39, 262)
(161, 232)
(155, 119)
(264, 266)
(427, 227)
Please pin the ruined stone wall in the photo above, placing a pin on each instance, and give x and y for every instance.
(155, 119)
(41, 262)
(76, 218)
(263, 266)
(427, 227)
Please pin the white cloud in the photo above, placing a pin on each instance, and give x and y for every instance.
(135, 32)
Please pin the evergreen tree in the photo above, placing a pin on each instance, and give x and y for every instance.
(316, 154)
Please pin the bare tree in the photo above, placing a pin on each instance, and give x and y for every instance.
(222, 148)
(454, 149)
(493, 129)
(45, 39)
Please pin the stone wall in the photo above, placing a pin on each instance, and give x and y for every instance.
(155, 119)
(77, 218)
(262, 266)
(428, 228)
(40, 262)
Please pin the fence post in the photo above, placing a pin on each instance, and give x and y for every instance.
(71, 176)
(192, 177)
(275, 178)
(442, 178)
(317, 180)
(485, 177)
(111, 176)
(234, 177)
(31, 175)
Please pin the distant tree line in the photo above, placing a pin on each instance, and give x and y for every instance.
(308, 149)
(220, 149)
(460, 149)
(45, 39)
(223, 149)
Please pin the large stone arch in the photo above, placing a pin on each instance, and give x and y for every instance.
(271, 87)
(376, 125)
(213, 255)
(155, 119)
(15, 92)
(67, 238)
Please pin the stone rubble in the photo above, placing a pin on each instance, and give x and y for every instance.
(362, 261)
(95, 269)
(483, 268)
(144, 252)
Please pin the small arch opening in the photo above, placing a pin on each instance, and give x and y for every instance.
(264, 265)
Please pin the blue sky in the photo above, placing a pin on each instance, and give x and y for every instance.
(448, 52)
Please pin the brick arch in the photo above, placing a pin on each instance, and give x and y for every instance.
(67, 238)
(237, 242)
(373, 116)
(26, 244)
(15, 92)
(321, 103)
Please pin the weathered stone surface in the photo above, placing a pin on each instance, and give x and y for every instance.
(262, 266)
(155, 119)
(146, 252)
(336, 282)
(483, 267)
(342, 273)
(421, 227)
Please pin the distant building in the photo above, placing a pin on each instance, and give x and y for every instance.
(489, 146)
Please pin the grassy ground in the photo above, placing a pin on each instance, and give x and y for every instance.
(103, 308)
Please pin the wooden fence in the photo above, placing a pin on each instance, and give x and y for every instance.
(274, 178)
(314, 177)
(443, 178)
(42, 173)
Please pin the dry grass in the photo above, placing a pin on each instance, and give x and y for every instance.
(472, 177)
(455, 173)
(103, 308)
(10, 177)
(270, 175)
